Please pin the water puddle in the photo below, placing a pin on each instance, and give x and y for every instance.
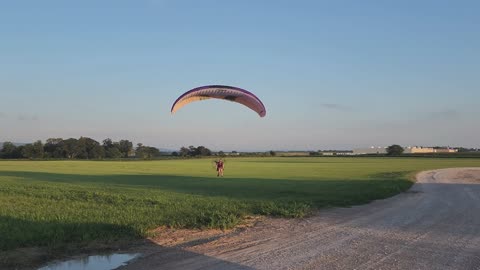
(104, 262)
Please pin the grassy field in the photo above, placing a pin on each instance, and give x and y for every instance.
(54, 203)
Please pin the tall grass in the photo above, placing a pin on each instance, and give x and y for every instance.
(53, 203)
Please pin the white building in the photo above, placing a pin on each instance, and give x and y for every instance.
(371, 150)
(407, 150)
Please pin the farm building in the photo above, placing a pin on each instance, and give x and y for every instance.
(426, 150)
(336, 153)
(371, 150)
(407, 150)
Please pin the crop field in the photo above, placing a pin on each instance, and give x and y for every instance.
(55, 203)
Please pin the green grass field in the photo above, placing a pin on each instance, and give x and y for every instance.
(55, 203)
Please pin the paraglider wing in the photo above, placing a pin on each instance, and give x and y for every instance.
(230, 93)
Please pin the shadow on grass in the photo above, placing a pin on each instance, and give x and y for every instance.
(42, 246)
(320, 193)
(28, 243)
(53, 233)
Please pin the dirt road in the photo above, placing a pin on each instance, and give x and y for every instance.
(435, 225)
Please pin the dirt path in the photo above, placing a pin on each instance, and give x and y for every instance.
(435, 225)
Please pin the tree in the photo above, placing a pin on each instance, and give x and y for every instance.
(53, 148)
(107, 143)
(151, 152)
(88, 148)
(96, 152)
(38, 149)
(193, 151)
(113, 153)
(70, 148)
(111, 149)
(184, 151)
(81, 149)
(140, 151)
(94, 149)
(20, 151)
(9, 150)
(125, 147)
(146, 152)
(203, 151)
(27, 151)
(394, 150)
(272, 153)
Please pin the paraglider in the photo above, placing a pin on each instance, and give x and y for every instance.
(224, 92)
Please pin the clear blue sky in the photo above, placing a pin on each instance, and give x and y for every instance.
(332, 74)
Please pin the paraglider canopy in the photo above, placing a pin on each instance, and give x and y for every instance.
(224, 92)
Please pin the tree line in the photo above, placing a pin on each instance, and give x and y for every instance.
(193, 151)
(82, 148)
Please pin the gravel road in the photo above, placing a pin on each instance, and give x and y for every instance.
(434, 225)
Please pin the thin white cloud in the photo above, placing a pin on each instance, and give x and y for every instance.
(334, 106)
(26, 117)
(447, 114)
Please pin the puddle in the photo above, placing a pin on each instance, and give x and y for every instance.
(104, 262)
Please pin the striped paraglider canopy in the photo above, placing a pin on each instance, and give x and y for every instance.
(224, 92)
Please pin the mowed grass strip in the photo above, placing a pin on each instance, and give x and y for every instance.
(53, 203)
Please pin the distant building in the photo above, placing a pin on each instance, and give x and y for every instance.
(407, 150)
(428, 150)
(418, 150)
(371, 150)
(445, 150)
(336, 153)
